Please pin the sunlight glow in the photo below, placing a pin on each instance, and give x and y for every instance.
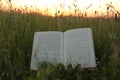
(64, 7)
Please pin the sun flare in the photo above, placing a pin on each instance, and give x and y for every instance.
(64, 7)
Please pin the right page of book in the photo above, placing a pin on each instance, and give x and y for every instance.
(79, 47)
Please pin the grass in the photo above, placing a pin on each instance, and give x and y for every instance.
(16, 40)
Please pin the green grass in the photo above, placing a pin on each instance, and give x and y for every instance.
(16, 40)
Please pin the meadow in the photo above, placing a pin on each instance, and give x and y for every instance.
(16, 40)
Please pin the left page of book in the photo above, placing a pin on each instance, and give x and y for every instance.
(47, 47)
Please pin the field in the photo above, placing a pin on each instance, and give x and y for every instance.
(16, 40)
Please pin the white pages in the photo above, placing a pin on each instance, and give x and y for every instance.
(71, 47)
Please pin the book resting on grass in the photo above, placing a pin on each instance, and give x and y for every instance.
(73, 46)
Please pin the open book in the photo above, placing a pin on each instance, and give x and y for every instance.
(74, 47)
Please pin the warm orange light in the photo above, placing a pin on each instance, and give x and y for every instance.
(64, 7)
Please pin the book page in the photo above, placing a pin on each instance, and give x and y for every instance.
(47, 47)
(79, 48)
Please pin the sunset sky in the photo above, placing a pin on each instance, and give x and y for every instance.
(65, 7)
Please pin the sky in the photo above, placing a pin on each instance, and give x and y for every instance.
(65, 7)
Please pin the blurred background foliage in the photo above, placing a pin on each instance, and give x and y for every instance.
(16, 40)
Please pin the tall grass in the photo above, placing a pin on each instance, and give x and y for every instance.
(16, 39)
